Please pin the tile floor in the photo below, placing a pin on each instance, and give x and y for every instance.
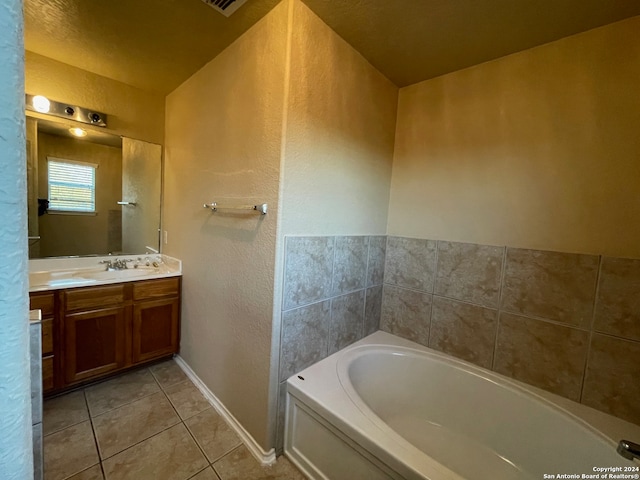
(152, 424)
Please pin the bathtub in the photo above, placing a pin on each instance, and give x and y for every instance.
(387, 408)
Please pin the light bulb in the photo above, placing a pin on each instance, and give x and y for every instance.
(41, 104)
(78, 132)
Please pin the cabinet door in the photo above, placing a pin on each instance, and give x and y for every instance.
(95, 343)
(45, 302)
(155, 328)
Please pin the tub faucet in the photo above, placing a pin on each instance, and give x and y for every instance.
(629, 450)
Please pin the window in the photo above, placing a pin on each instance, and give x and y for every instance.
(72, 185)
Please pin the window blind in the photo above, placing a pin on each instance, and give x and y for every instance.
(72, 186)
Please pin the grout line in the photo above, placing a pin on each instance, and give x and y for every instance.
(141, 441)
(199, 472)
(333, 264)
(596, 293)
(329, 328)
(172, 405)
(224, 455)
(545, 320)
(617, 337)
(145, 439)
(366, 287)
(435, 268)
(84, 470)
(196, 440)
(366, 270)
(402, 287)
(95, 436)
(466, 302)
(128, 402)
(65, 427)
(151, 436)
(122, 405)
(591, 329)
(503, 272)
(384, 265)
(433, 292)
(227, 453)
(430, 320)
(285, 262)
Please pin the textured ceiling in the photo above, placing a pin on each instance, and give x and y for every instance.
(157, 44)
(413, 40)
(151, 44)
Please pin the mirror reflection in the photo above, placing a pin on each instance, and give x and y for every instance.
(96, 194)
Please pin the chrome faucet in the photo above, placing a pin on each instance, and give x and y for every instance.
(629, 450)
(117, 264)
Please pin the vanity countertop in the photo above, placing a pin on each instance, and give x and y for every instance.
(58, 273)
(35, 316)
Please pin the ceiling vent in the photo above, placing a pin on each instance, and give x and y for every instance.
(225, 7)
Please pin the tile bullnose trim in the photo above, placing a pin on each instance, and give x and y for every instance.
(265, 458)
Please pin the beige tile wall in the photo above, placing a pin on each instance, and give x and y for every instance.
(332, 297)
(564, 322)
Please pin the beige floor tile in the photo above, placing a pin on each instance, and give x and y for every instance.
(93, 473)
(64, 411)
(212, 433)
(120, 391)
(206, 474)
(168, 373)
(241, 465)
(170, 455)
(187, 399)
(123, 427)
(69, 451)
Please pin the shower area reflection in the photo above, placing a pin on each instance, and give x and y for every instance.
(125, 189)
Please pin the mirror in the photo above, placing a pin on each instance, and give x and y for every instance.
(95, 195)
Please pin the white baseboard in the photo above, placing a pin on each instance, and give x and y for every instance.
(265, 458)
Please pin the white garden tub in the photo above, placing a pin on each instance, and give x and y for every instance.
(389, 408)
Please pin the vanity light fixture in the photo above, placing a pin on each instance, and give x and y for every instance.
(78, 132)
(41, 104)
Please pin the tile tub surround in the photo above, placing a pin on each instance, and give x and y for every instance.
(332, 297)
(123, 428)
(565, 322)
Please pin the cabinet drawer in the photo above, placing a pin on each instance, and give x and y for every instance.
(94, 297)
(47, 373)
(43, 302)
(150, 289)
(47, 336)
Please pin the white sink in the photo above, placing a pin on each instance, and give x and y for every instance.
(126, 274)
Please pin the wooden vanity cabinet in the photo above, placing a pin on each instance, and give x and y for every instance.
(92, 332)
(156, 319)
(96, 322)
(46, 303)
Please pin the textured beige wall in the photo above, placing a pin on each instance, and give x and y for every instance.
(537, 150)
(339, 135)
(70, 234)
(16, 446)
(131, 112)
(223, 143)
